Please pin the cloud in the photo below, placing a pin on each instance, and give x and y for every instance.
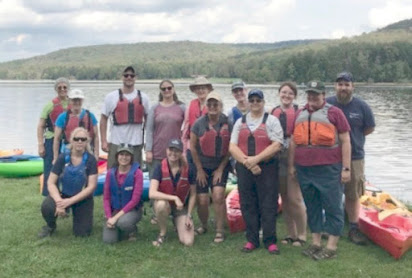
(18, 39)
(392, 11)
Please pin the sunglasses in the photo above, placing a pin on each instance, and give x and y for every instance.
(166, 88)
(79, 139)
(62, 88)
(127, 75)
(255, 100)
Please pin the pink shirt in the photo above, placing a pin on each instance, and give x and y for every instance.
(136, 196)
(305, 156)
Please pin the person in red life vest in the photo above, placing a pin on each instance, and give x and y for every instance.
(122, 197)
(173, 189)
(239, 92)
(197, 107)
(319, 153)
(75, 117)
(76, 171)
(209, 144)
(126, 109)
(294, 210)
(256, 138)
(45, 127)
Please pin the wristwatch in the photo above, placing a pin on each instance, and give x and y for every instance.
(346, 169)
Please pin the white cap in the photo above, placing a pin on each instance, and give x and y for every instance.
(76, 93)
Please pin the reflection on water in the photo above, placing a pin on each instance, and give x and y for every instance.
(388, 149)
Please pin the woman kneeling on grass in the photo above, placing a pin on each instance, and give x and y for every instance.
(122, 197)
(171, 184)
(77, 172)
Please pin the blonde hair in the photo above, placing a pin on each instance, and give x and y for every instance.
(73, 134)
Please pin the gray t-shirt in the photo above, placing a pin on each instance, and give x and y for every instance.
(199, 128)
(273, 128)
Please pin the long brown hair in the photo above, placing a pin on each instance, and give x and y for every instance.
(175, 98)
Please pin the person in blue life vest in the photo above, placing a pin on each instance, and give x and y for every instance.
(239, 92)
(122, 197)
(362, 123)
(45, 127)
(173, 189)
(124, 115)
(209, 144)
(75, 116)
(256, 138)
(293, 208)
(319, 154)
(76, 171)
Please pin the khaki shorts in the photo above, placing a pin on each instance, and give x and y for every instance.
(356, 188)
(111, 159)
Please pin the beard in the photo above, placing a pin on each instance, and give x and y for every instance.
(344, 99)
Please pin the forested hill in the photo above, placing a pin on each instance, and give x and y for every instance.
(381, 56)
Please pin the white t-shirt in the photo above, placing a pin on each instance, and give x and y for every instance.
(129, 133)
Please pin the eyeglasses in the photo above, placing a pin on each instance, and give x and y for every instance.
(62, 88)
(166, 88)
(255, 100)
(127, 75)
(212, 104)
(79, 139)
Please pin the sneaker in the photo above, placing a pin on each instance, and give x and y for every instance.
(273, 249)
(311, 250)
(249, 247)
(45, 232)
(356, 236)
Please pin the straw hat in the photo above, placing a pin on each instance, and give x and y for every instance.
(200, 81)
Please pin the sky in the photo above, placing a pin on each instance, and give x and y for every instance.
(35, 27)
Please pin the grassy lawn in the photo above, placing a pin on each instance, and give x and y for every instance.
(63, 255)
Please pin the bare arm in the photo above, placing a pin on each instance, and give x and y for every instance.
(192, 199)
(96, 142)
(155, 194)
(291, 157)
(237, 153)
(56, 142)
(52, 187)
(346, 155)
(40, 137)
(103, 132)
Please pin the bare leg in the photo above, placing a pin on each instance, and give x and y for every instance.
(186, 235)
(218, 197)
(352, 209)
(203, 208)
(296, 207)
(286, 209)
(162, 211)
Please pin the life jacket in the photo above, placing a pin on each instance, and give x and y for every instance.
(83, 120)
(166, 186)
(315, 129)
(121, 195)
(195, 112)
(286, 118)
(56, 111)
(73, 178)
(237, 114)
(253, 143)
(128, 112)
(215, 143)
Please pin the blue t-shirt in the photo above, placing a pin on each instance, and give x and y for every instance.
(157, 175)
(360, 117)
(61, 119)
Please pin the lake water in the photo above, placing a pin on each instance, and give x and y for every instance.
(388, 149)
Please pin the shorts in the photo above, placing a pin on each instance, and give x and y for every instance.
(222, 183)
(283, 162)
(356, 188)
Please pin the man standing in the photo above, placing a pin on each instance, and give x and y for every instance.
(239, 92)
(320, 153)
(127, 108)
(362, 123)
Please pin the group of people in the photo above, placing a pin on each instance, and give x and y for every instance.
(308, 155)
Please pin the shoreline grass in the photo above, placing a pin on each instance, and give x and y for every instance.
(63, 255)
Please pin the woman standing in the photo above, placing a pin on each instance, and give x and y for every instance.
(76, 170)
(45, 127)
(294, 210)
(255, 140)
(174, 192)
(209, 144)
(122, 197)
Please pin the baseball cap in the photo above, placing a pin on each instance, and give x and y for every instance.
(347, 76)
(129, 68)
(315, 86)
(213, 95)
(256, 92)
(239, 84)
(76, 93)
(124, 148)
(176, 143)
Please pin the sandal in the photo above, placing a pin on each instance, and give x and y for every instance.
(311, 250)
(219, 238)
(200, 231)
(299, 242)
(288, 240)
(159, 241)
(325, 254)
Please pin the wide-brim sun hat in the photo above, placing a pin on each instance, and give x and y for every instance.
(200, 81)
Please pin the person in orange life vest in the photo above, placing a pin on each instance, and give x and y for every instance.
(173, 189)
(209, 144)
(294, 210)
(197, 107)
(122, 197)
(319, 153)
(256, 138)
(239, 92)
(127, 109)
(362, 123)
(74, 117)
(45, 127)
(76, 171)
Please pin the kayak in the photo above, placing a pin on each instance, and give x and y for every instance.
(6, 153)
(386, 221)
(16, 166)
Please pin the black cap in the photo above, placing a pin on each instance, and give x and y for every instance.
(256, 92)
(176, 143)
(347, 76)
(129, 68)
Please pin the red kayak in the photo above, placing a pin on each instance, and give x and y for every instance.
(386, 221)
